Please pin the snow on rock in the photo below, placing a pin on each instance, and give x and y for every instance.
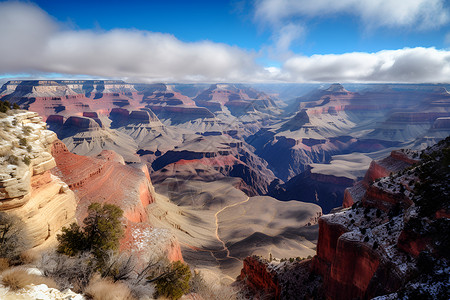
(38, 292)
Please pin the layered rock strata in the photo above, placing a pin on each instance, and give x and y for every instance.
(28, 189)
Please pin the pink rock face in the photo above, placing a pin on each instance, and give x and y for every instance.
(137, 238)
(395, 162)
(56, 119)
(82, 123)
(384, 200)
(326, 246)
(90, 114)
(348, 199)
(351, 271)
(375, 171)
(347, 266)
(258, 278)
(104, 180)
(400, 156)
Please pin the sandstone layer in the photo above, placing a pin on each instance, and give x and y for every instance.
(28, 189)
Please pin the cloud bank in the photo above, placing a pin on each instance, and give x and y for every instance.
(33, 42)
(405, 65)
(420, 14)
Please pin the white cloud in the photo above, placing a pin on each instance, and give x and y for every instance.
(405, 65)
(33, 42)
(447, 39)
(422, 14)
(285, 36)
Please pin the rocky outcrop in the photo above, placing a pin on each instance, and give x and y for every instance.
(375, 247)
(289, 279)
(396, 161)
(104, 179)
(81, 123)
(151, 244)
(353, 260)
(256, 275)
(28, 189)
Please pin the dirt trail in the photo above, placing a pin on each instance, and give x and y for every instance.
(217, 227)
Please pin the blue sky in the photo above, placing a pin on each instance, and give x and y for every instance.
(232, 22)
(263, 40)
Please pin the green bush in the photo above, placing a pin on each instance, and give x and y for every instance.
(175, 282)
(23, 141)
(101, 233)
(4, 106)
(26, 160)
(72, 240)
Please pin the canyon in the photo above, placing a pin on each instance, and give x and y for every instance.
(232, 179)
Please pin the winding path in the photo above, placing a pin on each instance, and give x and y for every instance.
(217, 227)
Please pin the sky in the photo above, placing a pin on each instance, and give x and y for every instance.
(404, 41)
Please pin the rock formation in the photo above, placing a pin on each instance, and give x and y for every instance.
(104, 179)
(392, 242)
(28, 188)
(375, 247)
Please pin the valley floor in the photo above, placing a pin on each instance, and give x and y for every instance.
(218, 225)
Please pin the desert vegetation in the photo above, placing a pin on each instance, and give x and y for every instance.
(88, 261)
(13, 239)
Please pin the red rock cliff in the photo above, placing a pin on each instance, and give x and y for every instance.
(258, 277)
(104, 179)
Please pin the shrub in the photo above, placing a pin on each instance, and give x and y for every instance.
(375, 245)
(72, 240)
(378, 214)
(103, 228)
(13, 237)
(101, 289)
(174, 283)
(4, 106)
(4, 264)
(23, 141)
(425, 262)
(26, 160)
(18, 278)
(119, 266)
(101, 233)
(16, 106)
(68, 272)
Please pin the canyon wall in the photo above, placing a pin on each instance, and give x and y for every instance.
(28, 189)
